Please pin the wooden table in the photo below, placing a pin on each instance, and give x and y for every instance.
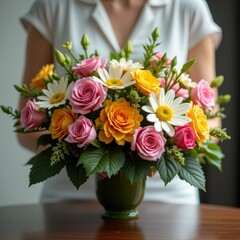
(83, 221)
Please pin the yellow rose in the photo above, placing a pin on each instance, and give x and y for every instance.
(146, 82)
(199, 124)
(118, 120)
(37, 81)
(60, 121)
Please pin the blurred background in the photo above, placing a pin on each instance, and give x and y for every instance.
(13, 174)
(222, 187)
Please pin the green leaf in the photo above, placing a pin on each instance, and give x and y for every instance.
(76, 174)
(90, 158)
(102, 160)
(31, 160)
(41, 167)
(44, 140)
(214, 162)
(192, 173)
(214, 155)
(96, 143)
(188, 65)
(167, 168)
(213, 150)
(137, 168)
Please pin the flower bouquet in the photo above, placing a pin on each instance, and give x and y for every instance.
(103, 116)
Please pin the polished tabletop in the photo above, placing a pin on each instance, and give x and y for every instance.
(83, 220)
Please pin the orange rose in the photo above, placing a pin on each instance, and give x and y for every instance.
(37, 81)
(146, 82)
(118, 120)
(60, 121)
(199, 124)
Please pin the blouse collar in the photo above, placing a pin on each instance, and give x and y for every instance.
(154, 3)
(146, 20)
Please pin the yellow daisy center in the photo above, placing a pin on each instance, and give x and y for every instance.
(164, 113)
(57, 97)
(114, 82)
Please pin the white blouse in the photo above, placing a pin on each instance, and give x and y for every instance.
(182, 24)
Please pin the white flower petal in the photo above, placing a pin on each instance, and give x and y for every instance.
(115, 72)
(103, 74)
(127, 77)
(51, 87)
(44, 98)
(176, 102)
(158, 126)
(181, 109)
(161, 97)
(180, 120)
(168, 128)
(178, 109)
(68, 89)
(152, 117)
(128, 84)
(169, 97)
(56, 87)
(116, 87)
(153, 101)
(100, 81)
(148, 109)
(47, 93)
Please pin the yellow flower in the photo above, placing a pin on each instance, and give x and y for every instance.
(37, 81)
(146, 82)
(199, 124)
(60, 121)
(118, 120)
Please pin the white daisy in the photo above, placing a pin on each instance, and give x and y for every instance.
(116, 78)
(186, 81)
(166, 111)
(127, 65)
(56, 94)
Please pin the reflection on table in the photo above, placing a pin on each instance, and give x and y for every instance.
(83, 220)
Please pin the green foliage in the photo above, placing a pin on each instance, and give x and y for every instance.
(188, 65)
(15, 114)
(220, 133)
(76, 174)
(109, 160)
(212, 154)
(44, 140)
(41, 167)
(167, 168)
(192, 173)
(136, 168)
(26, 93)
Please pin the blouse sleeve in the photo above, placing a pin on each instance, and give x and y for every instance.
(201, 23)
(40, 16)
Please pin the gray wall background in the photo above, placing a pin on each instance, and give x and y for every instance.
(222, 188)
(13, 174)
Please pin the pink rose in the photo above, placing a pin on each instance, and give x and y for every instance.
(81, 132)
(88, 66)
(87, 95)
(203, 95)
(184, 137)
(148, 143)
(31, 117)
(179, 92)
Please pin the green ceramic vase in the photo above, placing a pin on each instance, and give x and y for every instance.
(119, 197)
